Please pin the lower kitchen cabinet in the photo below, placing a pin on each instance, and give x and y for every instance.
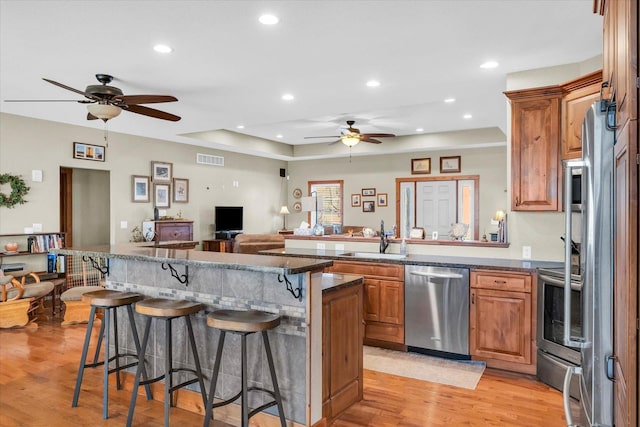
(383, 300)
(342, 334)
(501, 322)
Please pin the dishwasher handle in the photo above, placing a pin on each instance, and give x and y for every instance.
(438, 275)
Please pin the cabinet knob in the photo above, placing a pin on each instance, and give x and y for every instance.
(499, 282)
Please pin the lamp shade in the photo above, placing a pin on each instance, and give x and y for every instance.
(284, 211)
(350, 140)
(104, 111)
(499, 215)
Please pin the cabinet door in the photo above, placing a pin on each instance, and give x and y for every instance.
(391, 302)
(372, 300)
(535, 138)
(581, 93)
(500, 325)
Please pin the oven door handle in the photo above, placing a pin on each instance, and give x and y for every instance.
(559, 283)
(568, 168)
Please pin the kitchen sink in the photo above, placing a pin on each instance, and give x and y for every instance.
(374, 255)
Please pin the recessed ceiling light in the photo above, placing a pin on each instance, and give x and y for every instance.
(449, 100)
(240, 127)
(419, 130)
(268, 19)
(373, 83)
(279, 135)
(287, 97)
(162, 48)
(467, 116)
(489, 64)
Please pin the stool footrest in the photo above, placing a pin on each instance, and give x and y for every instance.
(111, 359)
(163, 376)
(262, 408)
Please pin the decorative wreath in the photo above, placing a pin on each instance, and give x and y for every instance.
(18, 190)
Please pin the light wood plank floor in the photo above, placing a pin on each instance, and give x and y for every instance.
(38, 369)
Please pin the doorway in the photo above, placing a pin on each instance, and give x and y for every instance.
(85, 206)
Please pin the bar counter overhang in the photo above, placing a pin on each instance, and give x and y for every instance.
(290, 287)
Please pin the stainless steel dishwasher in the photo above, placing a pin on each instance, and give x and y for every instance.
(437, 310)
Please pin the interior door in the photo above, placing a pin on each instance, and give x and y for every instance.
(436, 206)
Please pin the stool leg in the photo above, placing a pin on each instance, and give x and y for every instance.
(168, 383)
(99, 345)
(274, 380)
(105, 375)
(83, 358)
(136, 384)
(214, 380)
(196, 359)
(115, 346)
(136, 341)
(245, 397)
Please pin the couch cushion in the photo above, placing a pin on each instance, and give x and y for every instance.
(32, 290)
(254, 243)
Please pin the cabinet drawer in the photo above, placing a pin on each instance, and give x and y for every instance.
(370, 270)
(174, 232)
(501, 280)
(384, 332)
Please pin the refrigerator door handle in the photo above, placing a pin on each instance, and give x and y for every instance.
(566, 398)
(568, 166)
(611, 363)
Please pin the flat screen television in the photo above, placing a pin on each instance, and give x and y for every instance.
(228, 218)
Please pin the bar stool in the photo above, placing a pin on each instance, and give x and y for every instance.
(167, 310)
(244, 323)
(109, 301)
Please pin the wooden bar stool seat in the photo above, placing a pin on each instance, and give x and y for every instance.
(109, 300)
(244, 323)
(167, 310)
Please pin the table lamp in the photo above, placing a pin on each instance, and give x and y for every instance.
(284, 211)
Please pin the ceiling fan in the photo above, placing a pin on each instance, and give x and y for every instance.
(106, 102)
(351, 136)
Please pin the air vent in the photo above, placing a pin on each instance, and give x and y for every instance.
(208, 159)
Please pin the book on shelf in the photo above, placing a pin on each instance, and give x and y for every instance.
(40, 243)
(56, 263)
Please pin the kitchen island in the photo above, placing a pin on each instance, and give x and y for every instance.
(290, 287)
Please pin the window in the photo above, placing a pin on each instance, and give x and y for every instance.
(329, 202)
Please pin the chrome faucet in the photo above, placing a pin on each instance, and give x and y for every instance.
(384, 241)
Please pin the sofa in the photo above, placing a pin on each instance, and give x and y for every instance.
(254, 243)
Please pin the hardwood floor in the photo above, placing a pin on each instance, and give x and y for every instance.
(38, 367)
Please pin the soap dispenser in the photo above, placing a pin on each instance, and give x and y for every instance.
(403, 247)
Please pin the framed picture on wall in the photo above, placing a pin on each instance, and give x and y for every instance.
(139, 189)
(161, 172)
(355, 200)
(180, 190)
(161, 195)
(88, 152)
(450, 164)
(382, 199)
(369, 206)
(368, 191)
(419, 166)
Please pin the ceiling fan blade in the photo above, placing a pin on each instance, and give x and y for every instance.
(332, 136)
(335, 142)
(144, 99)
(44, 100)
(378, 135)
(371, 140)
(151, 112)
(88, 95)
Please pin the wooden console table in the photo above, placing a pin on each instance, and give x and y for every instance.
(217, 245)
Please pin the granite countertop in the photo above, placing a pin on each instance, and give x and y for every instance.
(159, 252)
(414, 259)
(335, 281)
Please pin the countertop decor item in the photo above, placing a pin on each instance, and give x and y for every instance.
(458, 230)
(19, 189)
(11, 247)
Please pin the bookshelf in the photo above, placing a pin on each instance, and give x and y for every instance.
(34, 244)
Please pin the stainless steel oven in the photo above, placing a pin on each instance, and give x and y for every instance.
(553, 356)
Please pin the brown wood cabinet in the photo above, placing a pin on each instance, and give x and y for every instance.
(217, 245)
(620, 69)
(579, 94)
(501, 323)
(342, 335)
(173, 230)
(535, 141)
(383, 300)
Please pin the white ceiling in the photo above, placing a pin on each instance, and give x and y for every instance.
(227, 69)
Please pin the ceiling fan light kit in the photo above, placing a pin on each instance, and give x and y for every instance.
(351, 136)
(104, 111)
(350, 140)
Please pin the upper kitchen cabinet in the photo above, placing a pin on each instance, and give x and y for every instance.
(579, 94)
(535, 140)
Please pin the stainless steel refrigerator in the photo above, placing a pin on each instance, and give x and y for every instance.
(596, 263)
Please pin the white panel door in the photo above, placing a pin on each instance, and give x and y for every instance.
(436, 207)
